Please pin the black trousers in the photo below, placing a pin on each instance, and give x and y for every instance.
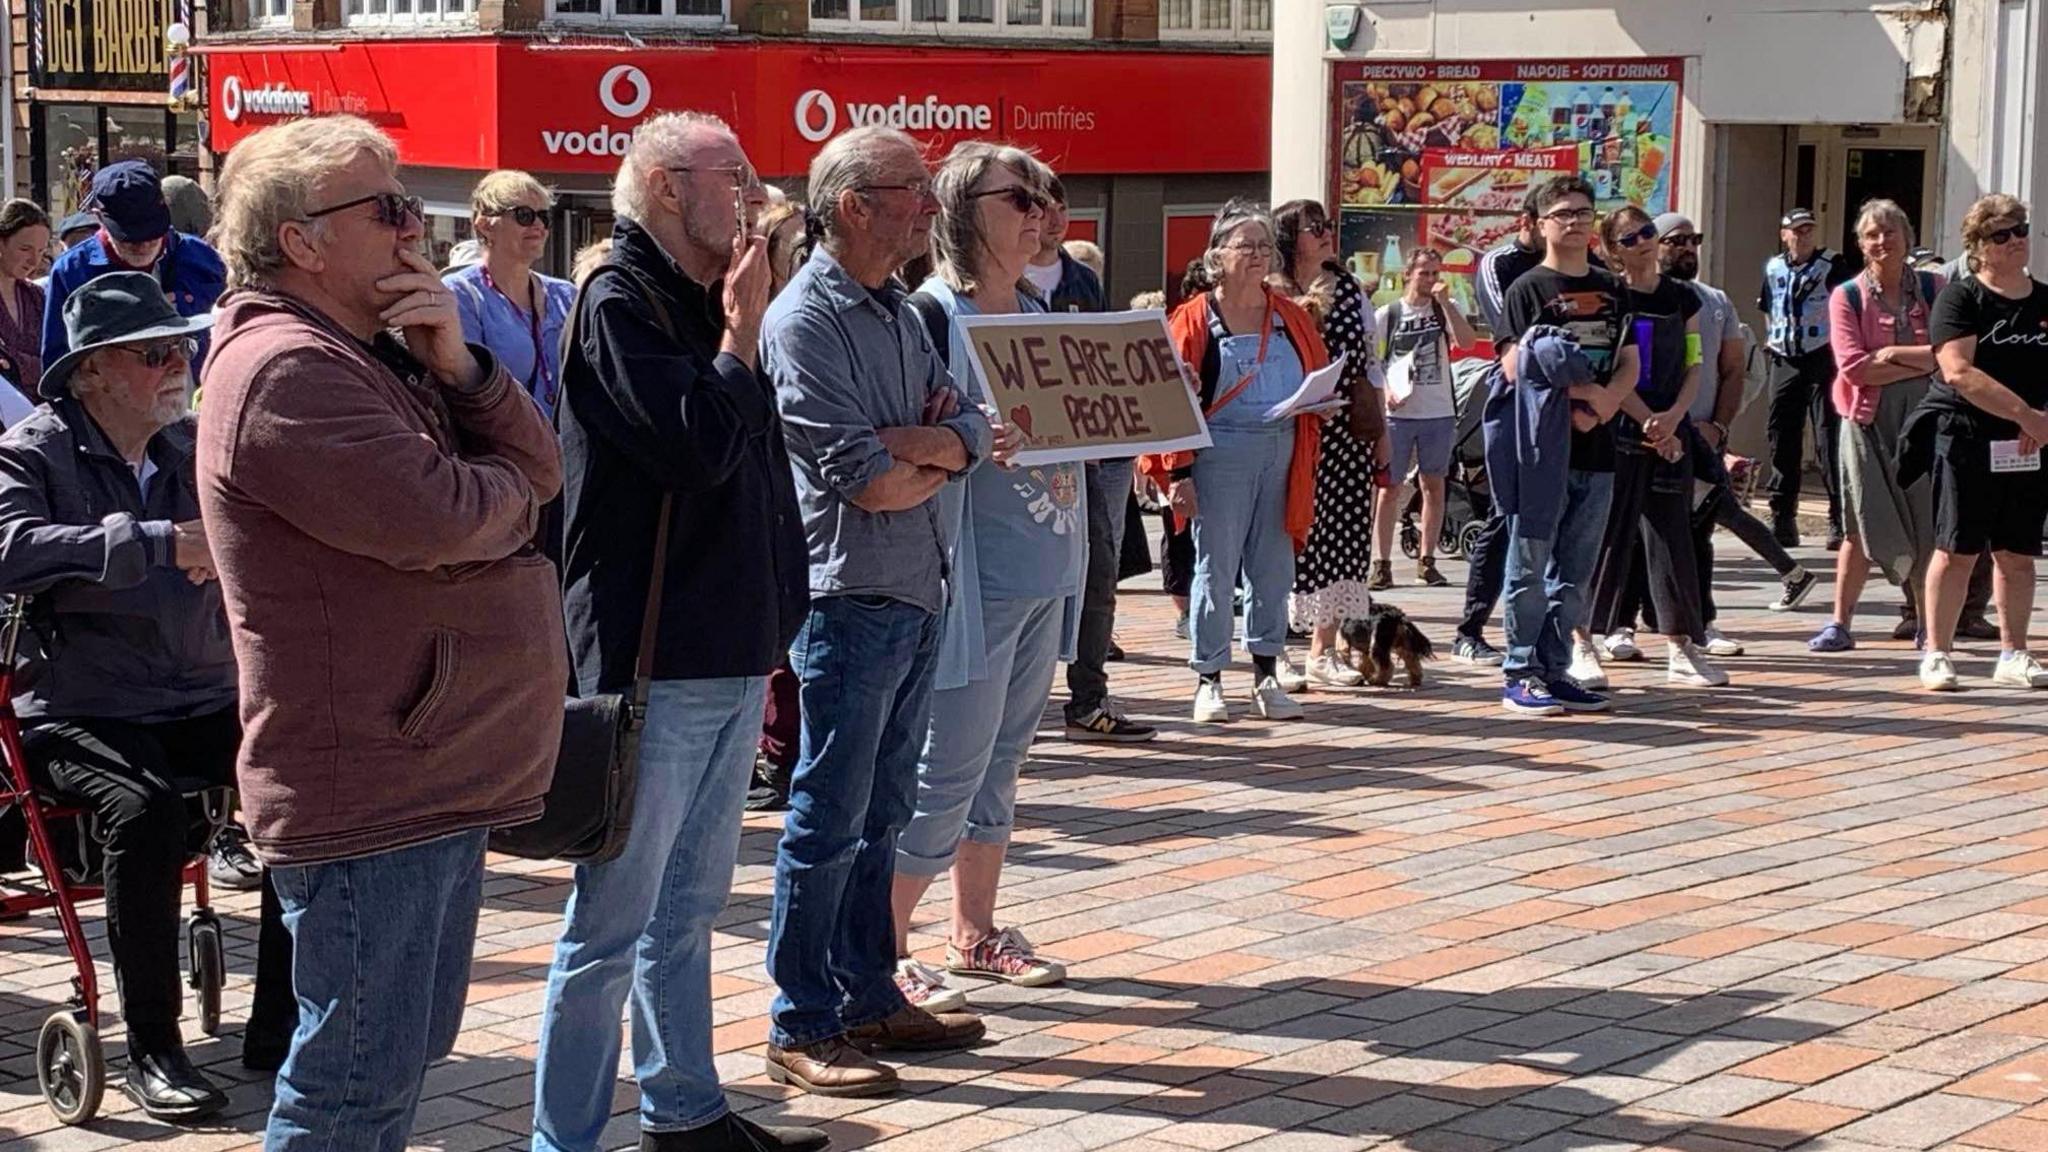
(1109, 494)
(1486, 574)
(126, 774)
(1176, 556)
(1799, 394)
(1652, 508)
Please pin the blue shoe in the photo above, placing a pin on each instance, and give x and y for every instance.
(1833, 638)
(1572, 698)
(1529, 697)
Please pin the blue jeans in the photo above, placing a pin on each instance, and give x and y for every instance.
(980, 734)
(641, 924)
(1241, 524)
(380, 965)
(1548, 580)
(864, 668)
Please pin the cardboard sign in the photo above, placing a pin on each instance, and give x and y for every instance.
(1085, 387)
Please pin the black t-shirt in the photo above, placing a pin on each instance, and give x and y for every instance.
(2012, 341)
(1664, 311)
(1592, 308)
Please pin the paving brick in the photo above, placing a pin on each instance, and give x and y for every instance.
(1927, 1122)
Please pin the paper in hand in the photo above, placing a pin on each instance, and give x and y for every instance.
(1317, 388)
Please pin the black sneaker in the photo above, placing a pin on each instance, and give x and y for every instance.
(1907, 628)
(1798, 586)
(1102, 726)
(1785, 530)
(735, 1133)
(1475, 650)
(167, 1087)
(1382, 576)
(1834, 539)
(769, 791)
(230, 864)
(1976, 626)
(1115, 654)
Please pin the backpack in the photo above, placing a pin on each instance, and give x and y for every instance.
(1852, 290)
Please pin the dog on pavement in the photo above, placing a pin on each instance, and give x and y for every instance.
(1384, 636)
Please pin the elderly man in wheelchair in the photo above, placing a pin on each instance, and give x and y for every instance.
(124, 680)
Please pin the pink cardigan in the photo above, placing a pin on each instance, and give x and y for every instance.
(1856, 338)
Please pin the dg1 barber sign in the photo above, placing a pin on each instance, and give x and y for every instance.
(1085, 387)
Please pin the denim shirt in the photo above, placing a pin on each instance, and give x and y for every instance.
(489, 319)
(1017, 533)
(844, 364)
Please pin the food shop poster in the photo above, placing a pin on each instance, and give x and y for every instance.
(1441, 152)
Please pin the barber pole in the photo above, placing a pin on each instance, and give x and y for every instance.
(179, 38)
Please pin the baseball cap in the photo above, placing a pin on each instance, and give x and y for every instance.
(1796, 217)
(130, 200)
(1671, 221)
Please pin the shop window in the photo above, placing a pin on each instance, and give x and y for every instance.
(1011, 17)
(1216, 19)
(408, 11)
(694, 11)
(70, 144)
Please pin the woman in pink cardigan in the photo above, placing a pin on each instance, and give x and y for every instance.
(1884, 363)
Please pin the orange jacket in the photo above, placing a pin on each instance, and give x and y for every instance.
(1189, 327)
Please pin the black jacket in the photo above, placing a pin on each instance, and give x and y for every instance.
(1079, 290)
(643, 413)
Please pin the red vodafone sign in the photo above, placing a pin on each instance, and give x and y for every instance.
(486, 103)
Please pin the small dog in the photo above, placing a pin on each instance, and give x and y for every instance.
(1384, 634)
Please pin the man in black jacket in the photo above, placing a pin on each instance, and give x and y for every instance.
(663, 412)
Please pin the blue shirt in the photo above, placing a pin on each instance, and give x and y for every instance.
(1273, 381)
(189, 271)
(489, 318)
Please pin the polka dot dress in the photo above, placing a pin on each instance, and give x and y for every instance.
(1331, 573)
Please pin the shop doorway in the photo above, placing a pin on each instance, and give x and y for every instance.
(1848, 166)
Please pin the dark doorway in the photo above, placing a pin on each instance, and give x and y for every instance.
(1890, 173)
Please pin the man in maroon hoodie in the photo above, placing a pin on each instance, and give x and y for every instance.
(371, 486)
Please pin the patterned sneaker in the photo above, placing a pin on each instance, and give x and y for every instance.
(925, 987)
(1798, 586)
(1529, 697)
(1103, 726)
(1005, 955)
(1475, 650)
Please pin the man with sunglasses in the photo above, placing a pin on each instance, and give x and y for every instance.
(1794, 298)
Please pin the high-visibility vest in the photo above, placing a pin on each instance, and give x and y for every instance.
(1798, 303)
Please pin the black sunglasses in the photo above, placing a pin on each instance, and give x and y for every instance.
(1316, 227)
(159, 353)
(393, 208)
(1691, 240)
(2005, 234)
(522, 215)
(1646, 232)
(1018, 196)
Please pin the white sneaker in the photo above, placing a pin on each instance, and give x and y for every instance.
(1719, 645)
(1938, 672)
(1621, 645)
(923, 986)
(1290, 677)
(1210, 706)
(1273, 703)
(1326, 669)
(2020, 670)
(1586, 671)
(1690, 667)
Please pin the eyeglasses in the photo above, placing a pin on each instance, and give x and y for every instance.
(922, 190)
(159, 353)
(1316, 227)
(1646, 232)
(2005, 235)
(742, 175)
(1569, 216)
(393, 208)
(1690, 240)
(523, 216)
(1255, 247)
(1018, 197)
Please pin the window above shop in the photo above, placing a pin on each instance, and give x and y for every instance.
(1215, 19)
(406, 11)
(688, 11)
(1037, 18)
(270, 13)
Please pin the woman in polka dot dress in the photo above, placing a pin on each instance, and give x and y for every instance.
(1331, 574)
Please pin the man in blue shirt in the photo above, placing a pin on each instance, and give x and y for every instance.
(135, 235)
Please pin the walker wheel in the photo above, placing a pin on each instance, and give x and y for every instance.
(1468, 537)
(1411, 539)
(70, 1067)
(209, 969)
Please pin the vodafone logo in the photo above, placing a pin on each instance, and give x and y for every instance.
(639, 92)
(269, 100)
(816, 116)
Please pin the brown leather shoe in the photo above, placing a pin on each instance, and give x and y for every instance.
(916, 1030)
(830, 1068)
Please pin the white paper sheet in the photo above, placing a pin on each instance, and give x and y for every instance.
(1317, 388)
(2007, 457)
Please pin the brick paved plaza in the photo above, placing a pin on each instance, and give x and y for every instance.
(1809, 911)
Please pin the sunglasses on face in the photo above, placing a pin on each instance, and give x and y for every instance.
(159, 353)
(393, 209)
(1316, 228)
(2006, 235)
(522, 215)
(1565, 217)
(1637, 237)
(1016, 196)
(1692, 240)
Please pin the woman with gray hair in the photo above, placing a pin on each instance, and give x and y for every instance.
(1018, 545)
(1884, 364)
(1250, 347)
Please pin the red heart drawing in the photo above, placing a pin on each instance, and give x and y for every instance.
(1021, 417)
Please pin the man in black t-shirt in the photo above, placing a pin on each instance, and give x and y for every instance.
(1548, 578)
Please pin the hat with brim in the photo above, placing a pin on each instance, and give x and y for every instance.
(117, 308)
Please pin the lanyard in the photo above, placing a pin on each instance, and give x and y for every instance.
(540, 361)
(1259, 365)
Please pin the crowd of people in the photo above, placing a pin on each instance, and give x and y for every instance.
(742, 456)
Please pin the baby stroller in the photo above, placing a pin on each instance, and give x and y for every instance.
(64, 848)
(1466, 503)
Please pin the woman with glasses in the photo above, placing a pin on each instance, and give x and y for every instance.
(1331, 573)
(1653, 465)
(505, 305)
(1251, 493)
(1979, 430)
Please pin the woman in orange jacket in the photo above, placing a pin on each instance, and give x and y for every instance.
(1251, 494)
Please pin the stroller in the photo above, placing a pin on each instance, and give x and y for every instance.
(64, 847)
(1466, 502)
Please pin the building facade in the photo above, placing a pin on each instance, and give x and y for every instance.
(1154, 116)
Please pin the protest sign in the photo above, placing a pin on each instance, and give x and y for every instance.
(1085, 386)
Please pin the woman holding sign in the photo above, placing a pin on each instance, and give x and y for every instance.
(1017, 540)
(1980, 429)
(1251, 494)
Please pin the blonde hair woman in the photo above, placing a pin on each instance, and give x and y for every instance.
(505, 305)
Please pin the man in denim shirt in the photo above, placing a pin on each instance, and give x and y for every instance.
(875, 429)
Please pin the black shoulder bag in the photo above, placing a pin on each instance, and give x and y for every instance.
(589, 805)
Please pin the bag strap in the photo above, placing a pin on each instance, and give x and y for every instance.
(936, 323)
(1852, 291)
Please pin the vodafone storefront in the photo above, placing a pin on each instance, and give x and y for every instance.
(1149, 143)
